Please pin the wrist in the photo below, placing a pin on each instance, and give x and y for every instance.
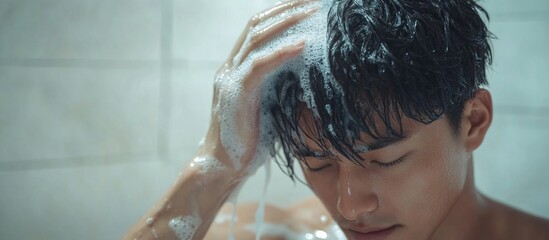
(208, 169)
(212, 156)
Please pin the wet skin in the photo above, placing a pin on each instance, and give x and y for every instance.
(429, 194)
(405, 190)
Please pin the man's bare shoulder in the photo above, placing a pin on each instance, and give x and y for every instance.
(280, 222)
(505, 222)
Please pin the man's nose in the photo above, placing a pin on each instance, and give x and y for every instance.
(356, 196)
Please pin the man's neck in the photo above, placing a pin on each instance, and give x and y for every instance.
(465, 218)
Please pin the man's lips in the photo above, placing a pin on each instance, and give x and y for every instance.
(372, 233)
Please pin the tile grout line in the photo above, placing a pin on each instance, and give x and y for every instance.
(176, 63)
(79, 63)
(510, 16)
(77, 161)
(166, 60)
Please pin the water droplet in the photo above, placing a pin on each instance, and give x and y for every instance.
(153, 231)
(321, 234)
(150, 221)
(323, 218)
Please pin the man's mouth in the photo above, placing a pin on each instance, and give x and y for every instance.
(372, 233)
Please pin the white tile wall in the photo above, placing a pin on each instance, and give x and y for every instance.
(91, 202)
(519, 74)
(82, 103)
(511, 165)
(192, 90)
(502, 6)
(80, 29)
(3, 6)
(207, 30)
(56, 113)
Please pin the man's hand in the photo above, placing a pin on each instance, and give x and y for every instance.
(234, 129)
(222, 162)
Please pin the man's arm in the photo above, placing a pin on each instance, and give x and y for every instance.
(189, 207)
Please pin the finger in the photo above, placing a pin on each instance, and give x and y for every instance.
(220, 75)
(264, 35)
(266, 64)
(238, 45)
(278, 9)
(256, 19)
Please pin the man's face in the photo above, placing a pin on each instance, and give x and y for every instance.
(405, 190)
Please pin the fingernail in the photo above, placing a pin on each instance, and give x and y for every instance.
(299, 44)
(311, 10)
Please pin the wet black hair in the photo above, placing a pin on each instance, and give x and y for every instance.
(390, 59)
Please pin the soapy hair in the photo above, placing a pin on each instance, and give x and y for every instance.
(390, 59)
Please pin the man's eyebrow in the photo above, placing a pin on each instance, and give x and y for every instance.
(380, 143)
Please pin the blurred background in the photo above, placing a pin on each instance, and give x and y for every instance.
(103, 102)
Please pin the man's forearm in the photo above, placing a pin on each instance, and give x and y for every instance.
(189, 207)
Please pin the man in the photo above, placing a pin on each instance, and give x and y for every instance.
(385, 139)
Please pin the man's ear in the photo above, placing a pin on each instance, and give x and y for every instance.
(476, 119)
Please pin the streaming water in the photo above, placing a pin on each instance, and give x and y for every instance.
(233, 218)
(260, 213)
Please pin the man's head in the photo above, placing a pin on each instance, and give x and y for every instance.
(388, 142)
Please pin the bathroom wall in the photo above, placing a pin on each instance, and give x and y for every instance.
(103, 102)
